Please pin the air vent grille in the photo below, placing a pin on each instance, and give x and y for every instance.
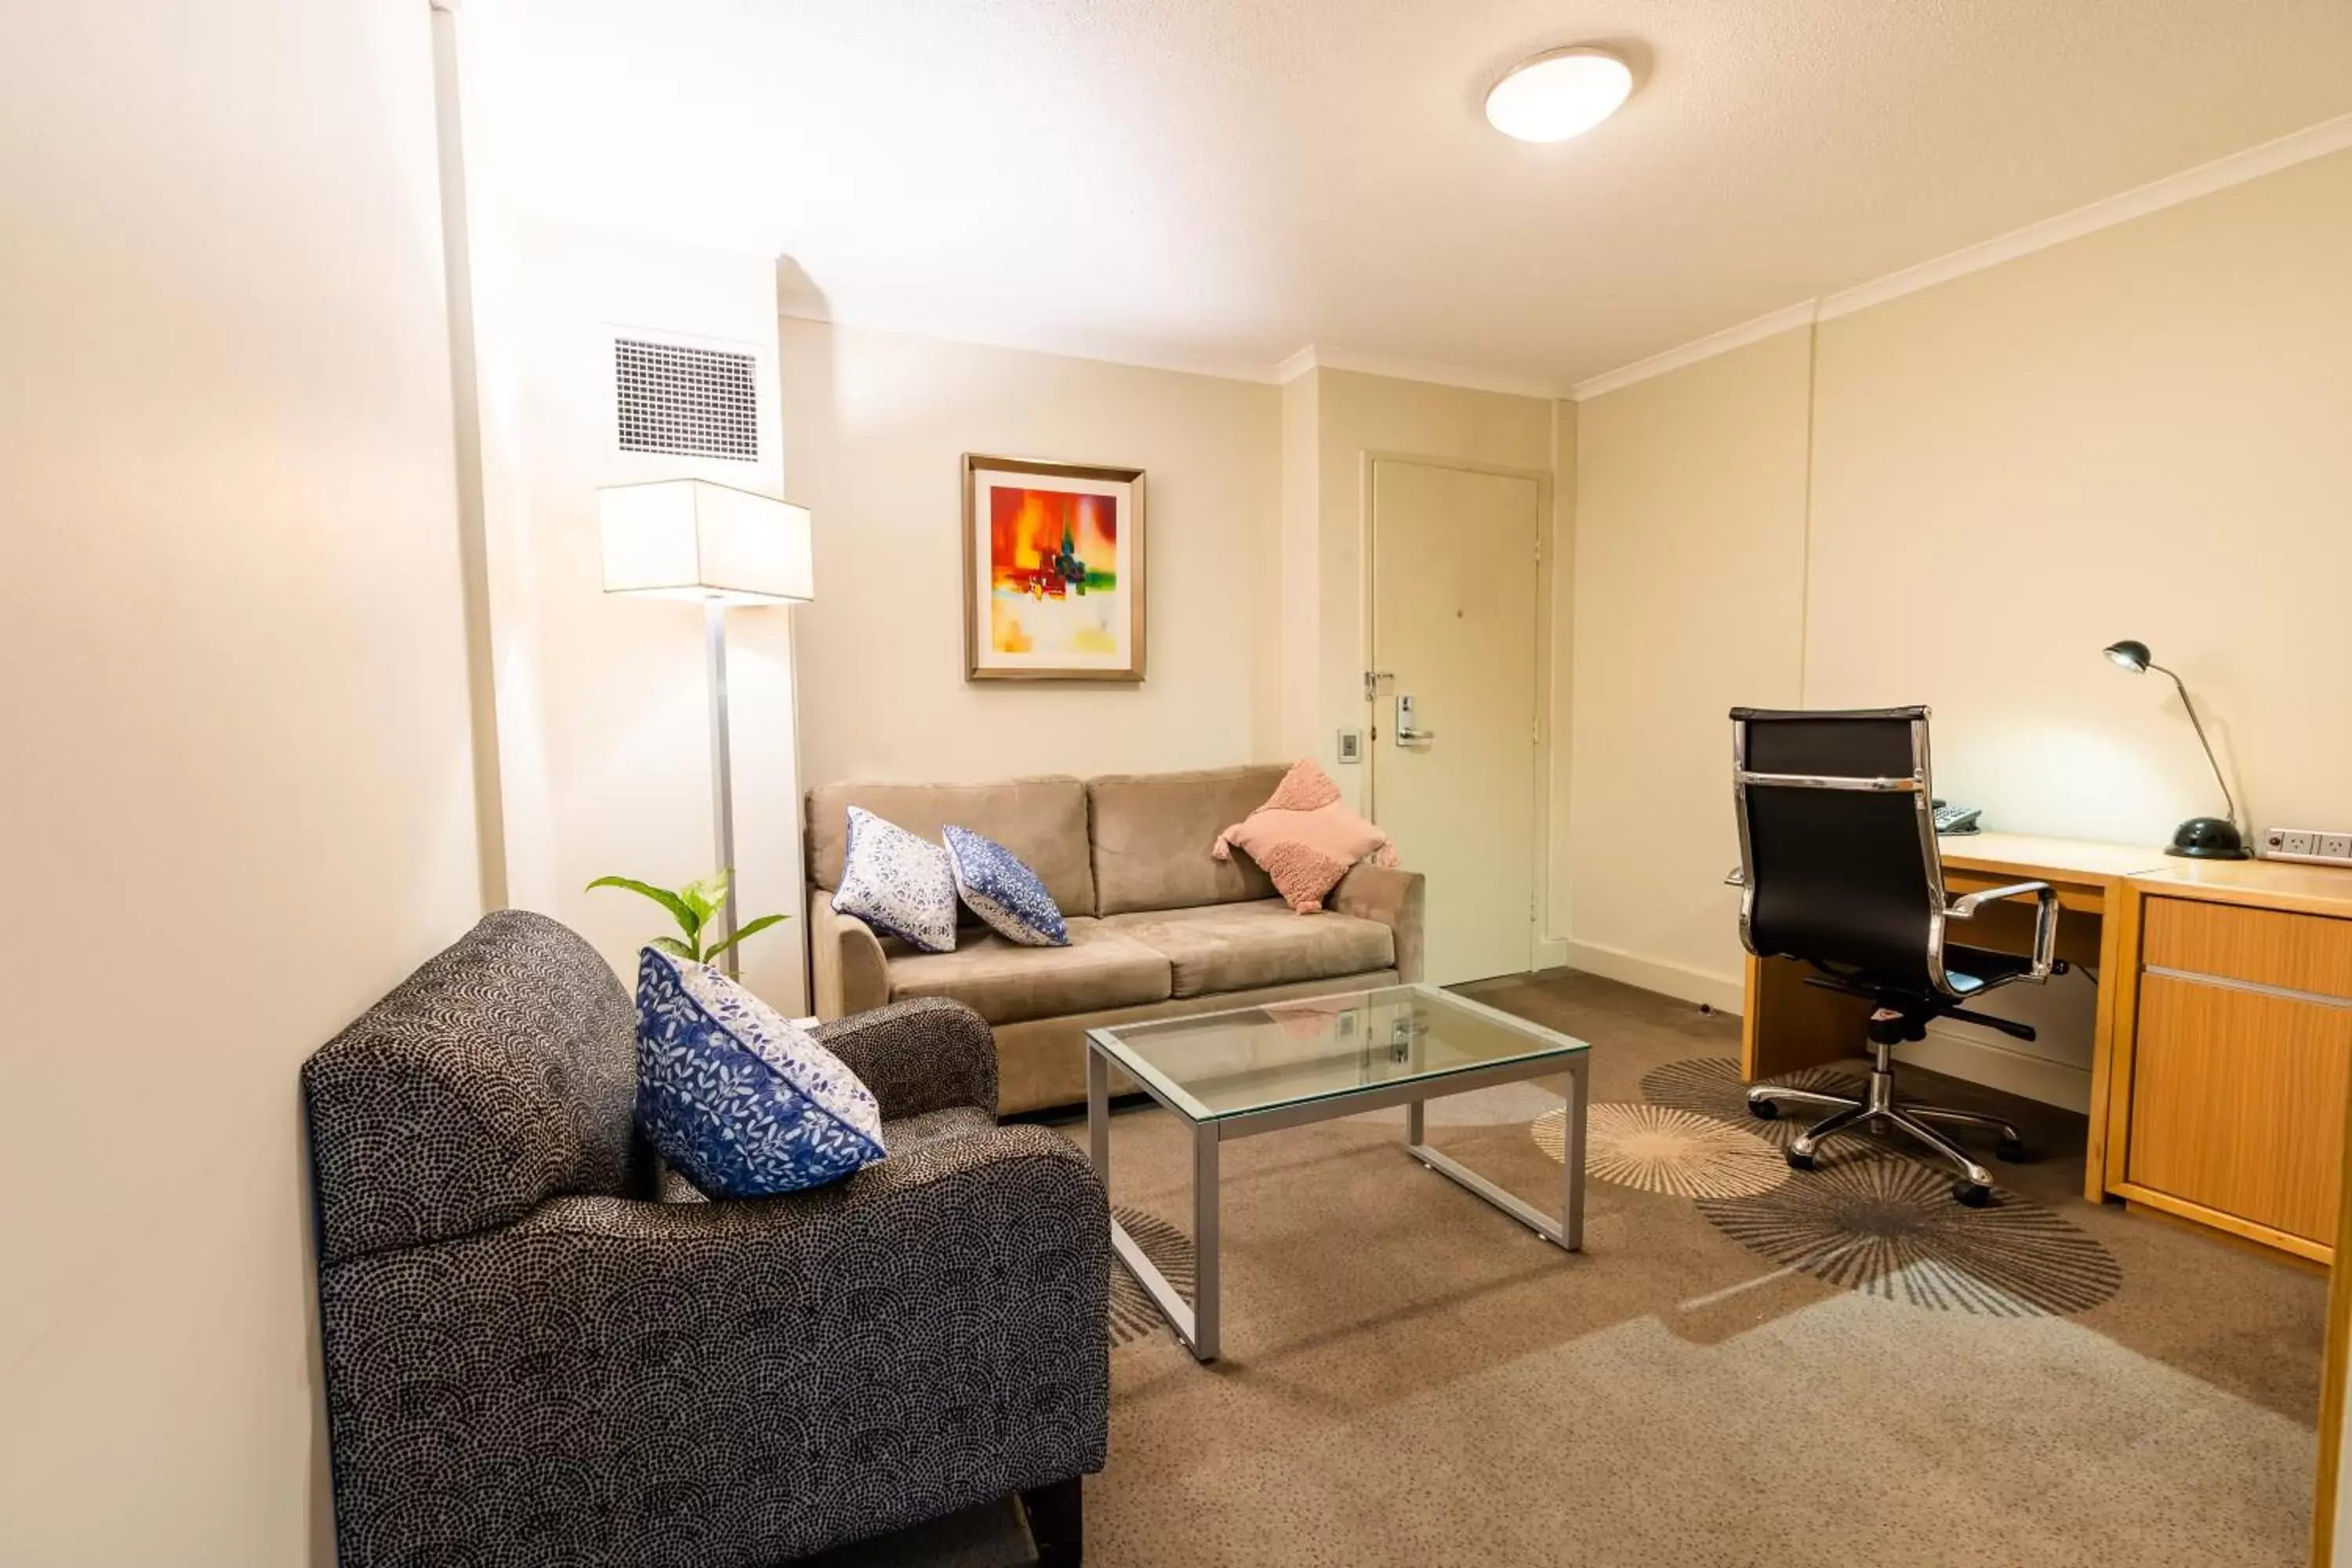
(687, 401)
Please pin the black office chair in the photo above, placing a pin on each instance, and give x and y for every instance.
(1839, 868)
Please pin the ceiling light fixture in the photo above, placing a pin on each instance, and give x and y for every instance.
(1558, 94)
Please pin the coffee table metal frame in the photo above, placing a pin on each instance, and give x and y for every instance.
(1197, 1323)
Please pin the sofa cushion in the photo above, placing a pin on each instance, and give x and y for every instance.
(1005, 894)
(1305, 837)
(1008, 984)
(737, 1097)
(1042, 820)
(1237, 947)
(1153, 834)
(899, 883)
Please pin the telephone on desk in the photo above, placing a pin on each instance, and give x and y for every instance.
(1957, 818)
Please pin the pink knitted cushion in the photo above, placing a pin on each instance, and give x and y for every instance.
(1306, 837)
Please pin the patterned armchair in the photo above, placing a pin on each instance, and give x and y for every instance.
(528, 1361)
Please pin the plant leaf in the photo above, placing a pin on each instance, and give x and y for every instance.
(686, 918)
(676, 948)
(749, 927)
(706, 897)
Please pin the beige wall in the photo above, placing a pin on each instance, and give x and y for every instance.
(2145, 433)
(237, 795)
(1689, 564)
(1356, 417)
(876, 424)
(1298, 678)
(1560, 683)
(604, 725)
(2139, 433)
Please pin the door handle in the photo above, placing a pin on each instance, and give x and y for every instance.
(1406, 735)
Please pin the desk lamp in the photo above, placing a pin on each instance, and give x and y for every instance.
(2200, 837)
(715, 545)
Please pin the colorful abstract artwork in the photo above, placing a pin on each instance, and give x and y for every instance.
(1054, 571)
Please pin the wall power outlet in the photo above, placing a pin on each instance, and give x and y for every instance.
(2305, 844)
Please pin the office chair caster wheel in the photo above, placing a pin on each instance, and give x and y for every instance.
(1763, 1110)
(2010, 1150)
(1973, 1195)
(1799, 1160)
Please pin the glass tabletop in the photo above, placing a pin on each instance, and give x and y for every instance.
(1215, 1065)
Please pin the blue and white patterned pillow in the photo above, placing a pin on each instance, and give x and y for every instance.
(742, 1103)
(898, 884)
(1003, 891)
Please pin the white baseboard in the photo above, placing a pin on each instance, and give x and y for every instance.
(1551, 953)
(1997, 1067)
(1723, 993)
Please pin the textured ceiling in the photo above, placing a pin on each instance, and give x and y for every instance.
(1229, 181)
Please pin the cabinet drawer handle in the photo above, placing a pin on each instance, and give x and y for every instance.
(2257, 987)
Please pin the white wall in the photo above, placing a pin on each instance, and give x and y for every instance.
(237, 795)
(876, 424)
(604, 720)
(2138, 433)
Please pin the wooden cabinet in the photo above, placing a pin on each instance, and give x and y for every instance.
(2241, 1053)
(2238, 1103)
(2281, 948)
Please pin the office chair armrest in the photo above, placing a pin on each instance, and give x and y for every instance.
(2045, 919)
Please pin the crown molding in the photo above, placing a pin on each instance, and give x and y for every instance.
(1295, 365)
(1314, 356)
(1722, 342)
(1135, 358)
(2266, 158)
(2253, 163)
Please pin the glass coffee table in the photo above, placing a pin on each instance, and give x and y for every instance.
(1285, 1064)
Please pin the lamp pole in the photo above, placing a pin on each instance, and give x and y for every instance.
(2228, 800)
(722, 773)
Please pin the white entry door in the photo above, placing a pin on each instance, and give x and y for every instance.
(1455, 580)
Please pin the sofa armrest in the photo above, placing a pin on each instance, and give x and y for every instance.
(925, 1335)
(1391, 896)
(853, 975)
(923, 1054)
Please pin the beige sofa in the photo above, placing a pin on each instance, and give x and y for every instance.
(1157, 926)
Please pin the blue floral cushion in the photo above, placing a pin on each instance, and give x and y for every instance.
(740, 1101)
(1003, 891)
(898, 884)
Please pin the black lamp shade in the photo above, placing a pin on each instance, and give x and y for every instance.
(2132, 655)
(2209, 838)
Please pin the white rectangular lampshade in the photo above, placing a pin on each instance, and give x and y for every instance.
(692, 539)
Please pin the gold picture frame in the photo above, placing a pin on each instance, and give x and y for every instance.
(1053, 570)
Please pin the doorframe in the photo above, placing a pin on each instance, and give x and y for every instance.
(1540, 945)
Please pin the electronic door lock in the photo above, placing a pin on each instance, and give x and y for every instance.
(1406, 735)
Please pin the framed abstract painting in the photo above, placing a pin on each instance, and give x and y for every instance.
(1053, 557)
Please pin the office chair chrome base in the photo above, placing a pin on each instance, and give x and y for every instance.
(1974, 1187)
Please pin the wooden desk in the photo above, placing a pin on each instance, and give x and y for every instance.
(2224, 1035)
(1788, 1025)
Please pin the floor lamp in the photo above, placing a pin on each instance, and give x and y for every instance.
(694, 538)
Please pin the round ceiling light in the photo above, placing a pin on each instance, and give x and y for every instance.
(1558, 94)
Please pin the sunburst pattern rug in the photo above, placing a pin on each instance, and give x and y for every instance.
(1711, 1086)
(1662, 1150)
(1133, 1313)
(1890, 1228)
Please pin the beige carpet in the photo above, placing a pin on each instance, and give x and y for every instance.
(1840, 1368)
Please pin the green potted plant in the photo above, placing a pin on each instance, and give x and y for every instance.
(697, 908)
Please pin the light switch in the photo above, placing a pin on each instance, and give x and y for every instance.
(1351, 746)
